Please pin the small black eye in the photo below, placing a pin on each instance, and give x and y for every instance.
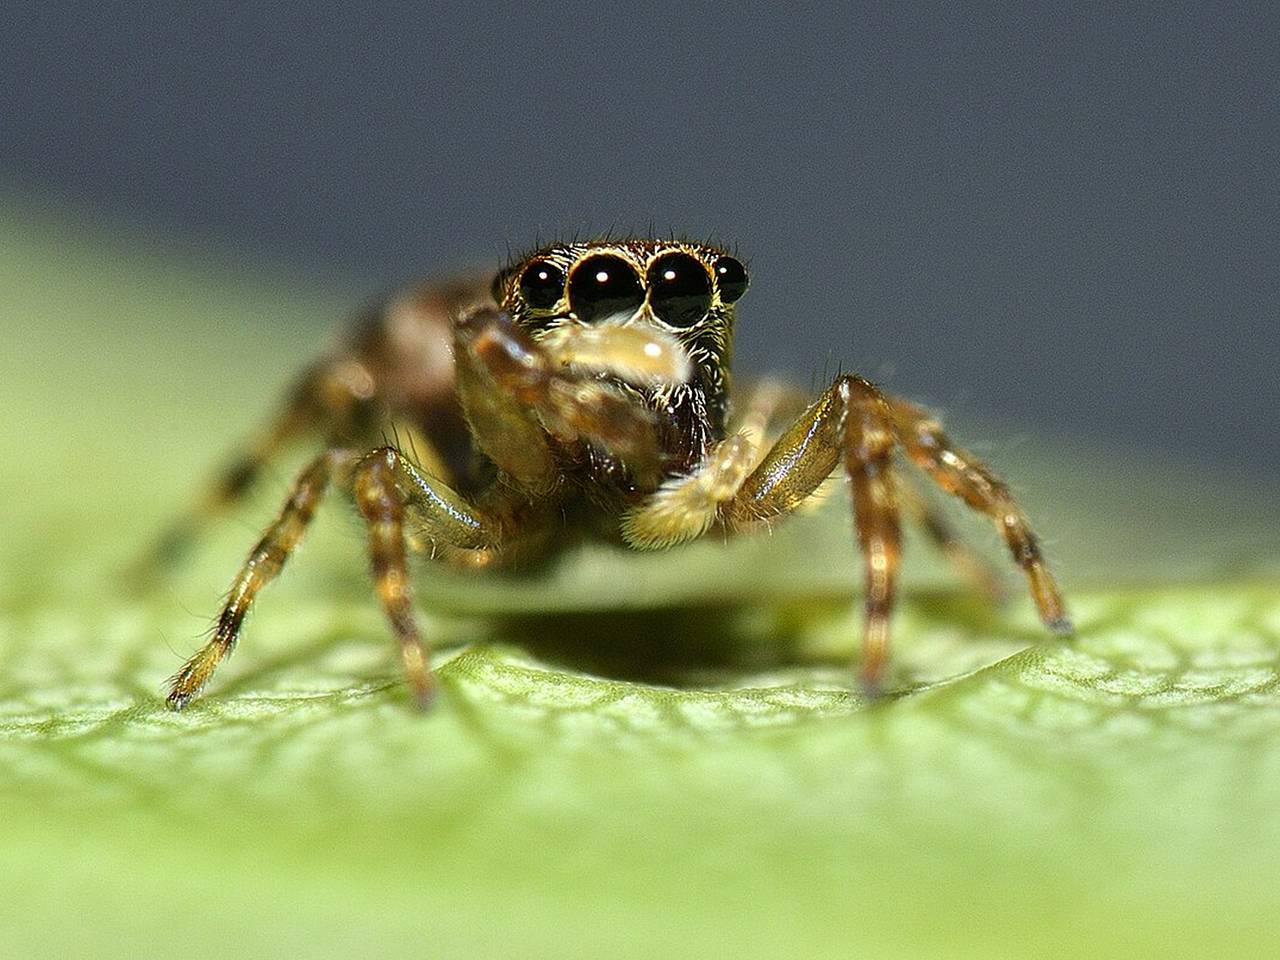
(731, 278)
(602, 286)
(542, 285)
(679, 289)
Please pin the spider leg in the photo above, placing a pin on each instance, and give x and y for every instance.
(970, 564)
(850, 422)
(386, 489)
(264, 562)
(965, 476)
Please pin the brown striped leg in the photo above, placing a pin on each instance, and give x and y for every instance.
(382, 507)
(386, 488)
(388, 491)
(868, 452)
(850, 422)
(968, 563)
(965, 476)
(263, 564)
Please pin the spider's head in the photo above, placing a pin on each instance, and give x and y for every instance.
(686, 289)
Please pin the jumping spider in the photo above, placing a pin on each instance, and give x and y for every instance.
(587, 386)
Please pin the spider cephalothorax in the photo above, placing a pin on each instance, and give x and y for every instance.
(588, 384)
(687, 290)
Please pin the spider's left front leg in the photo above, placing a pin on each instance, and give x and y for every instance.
(852, 422)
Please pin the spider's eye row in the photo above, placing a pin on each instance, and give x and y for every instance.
(679, 289)
(603, 285)
(731, 278)
(542, 285)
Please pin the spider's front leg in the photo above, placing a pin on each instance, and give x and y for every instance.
(850, 422)
(853, 421)
(390, 494)
(517, 394)
(388, 490)
(685, 507)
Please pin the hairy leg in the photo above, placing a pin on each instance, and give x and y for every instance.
(849, 423)
(263, 564)
(965, 476)
(386, 489)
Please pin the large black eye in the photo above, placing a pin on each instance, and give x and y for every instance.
(602, 286)
(542, 285)
(679, 289)
(731, 278)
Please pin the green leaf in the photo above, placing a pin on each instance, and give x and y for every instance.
(658, 755)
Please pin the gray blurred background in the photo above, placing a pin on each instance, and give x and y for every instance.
(1068, 221)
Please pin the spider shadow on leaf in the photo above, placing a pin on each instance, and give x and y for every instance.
(678, 646)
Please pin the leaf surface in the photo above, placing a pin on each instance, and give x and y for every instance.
(634, 756)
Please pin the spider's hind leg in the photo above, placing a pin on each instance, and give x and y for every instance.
(262, 566)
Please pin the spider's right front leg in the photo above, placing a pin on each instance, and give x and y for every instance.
(391, 495)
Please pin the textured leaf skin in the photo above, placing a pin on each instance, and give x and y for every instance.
(684, 770)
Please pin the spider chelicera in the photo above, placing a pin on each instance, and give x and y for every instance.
(587, 386)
